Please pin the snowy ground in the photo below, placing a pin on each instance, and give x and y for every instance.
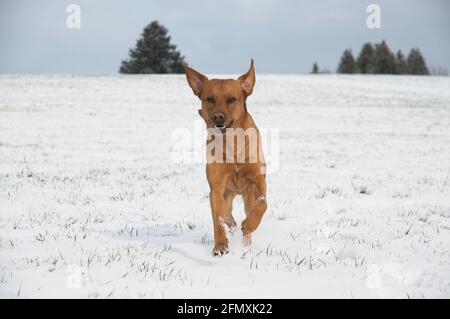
(91, 204)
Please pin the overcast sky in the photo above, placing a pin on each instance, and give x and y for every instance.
(283, 36)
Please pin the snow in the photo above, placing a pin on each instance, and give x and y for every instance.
(92, 204)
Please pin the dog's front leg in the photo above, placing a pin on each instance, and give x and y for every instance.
(218, 209)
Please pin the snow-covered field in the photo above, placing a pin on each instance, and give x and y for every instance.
(92, 204)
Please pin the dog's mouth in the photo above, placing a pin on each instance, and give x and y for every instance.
(222, 128)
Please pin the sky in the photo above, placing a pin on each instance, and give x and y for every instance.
(284, 36)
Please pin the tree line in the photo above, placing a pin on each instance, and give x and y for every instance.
(379, 59)
(155, 53)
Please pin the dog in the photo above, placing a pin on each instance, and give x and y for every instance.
(236, 168)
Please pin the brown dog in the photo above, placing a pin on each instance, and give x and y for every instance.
(237, 168)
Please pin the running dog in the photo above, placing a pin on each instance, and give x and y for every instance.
(235, 164)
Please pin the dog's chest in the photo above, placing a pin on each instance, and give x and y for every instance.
(237, 181)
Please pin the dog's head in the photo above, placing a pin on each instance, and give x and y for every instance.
(222, 101)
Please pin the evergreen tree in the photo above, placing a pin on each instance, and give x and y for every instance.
(347, 64)
(366, 59)
(384, 59)
(315, 68)
(153, 53)
(400, 63)
(416, 63)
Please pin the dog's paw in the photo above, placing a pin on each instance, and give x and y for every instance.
(247, 240)
(229, 222)
(232, 228)
(247, 229)
(220, 250)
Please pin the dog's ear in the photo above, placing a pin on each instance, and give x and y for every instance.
(247, 80)
(195, 79)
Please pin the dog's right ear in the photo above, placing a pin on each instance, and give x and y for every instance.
(195, 79)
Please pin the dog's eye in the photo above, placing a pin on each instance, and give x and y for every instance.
(210, 100)
(231, 100)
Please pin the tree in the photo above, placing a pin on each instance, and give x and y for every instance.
(416, 63)
(153, 53)
(365, 61)
(384, 59)
(400, 63)
(315, 68)
(347, 64)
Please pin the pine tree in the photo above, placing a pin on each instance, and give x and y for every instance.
(384, 59)
(347, 64)
(416, 63)
(315, 68)
(366, 59)
(400, 63)
(153, 53)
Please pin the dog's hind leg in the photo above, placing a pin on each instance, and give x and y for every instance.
(228, 216)
(255, 206)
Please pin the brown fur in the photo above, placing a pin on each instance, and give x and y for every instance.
(228, 179)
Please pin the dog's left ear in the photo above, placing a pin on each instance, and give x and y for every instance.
(247, 80)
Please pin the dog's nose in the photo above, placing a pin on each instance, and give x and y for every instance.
(218, 118)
